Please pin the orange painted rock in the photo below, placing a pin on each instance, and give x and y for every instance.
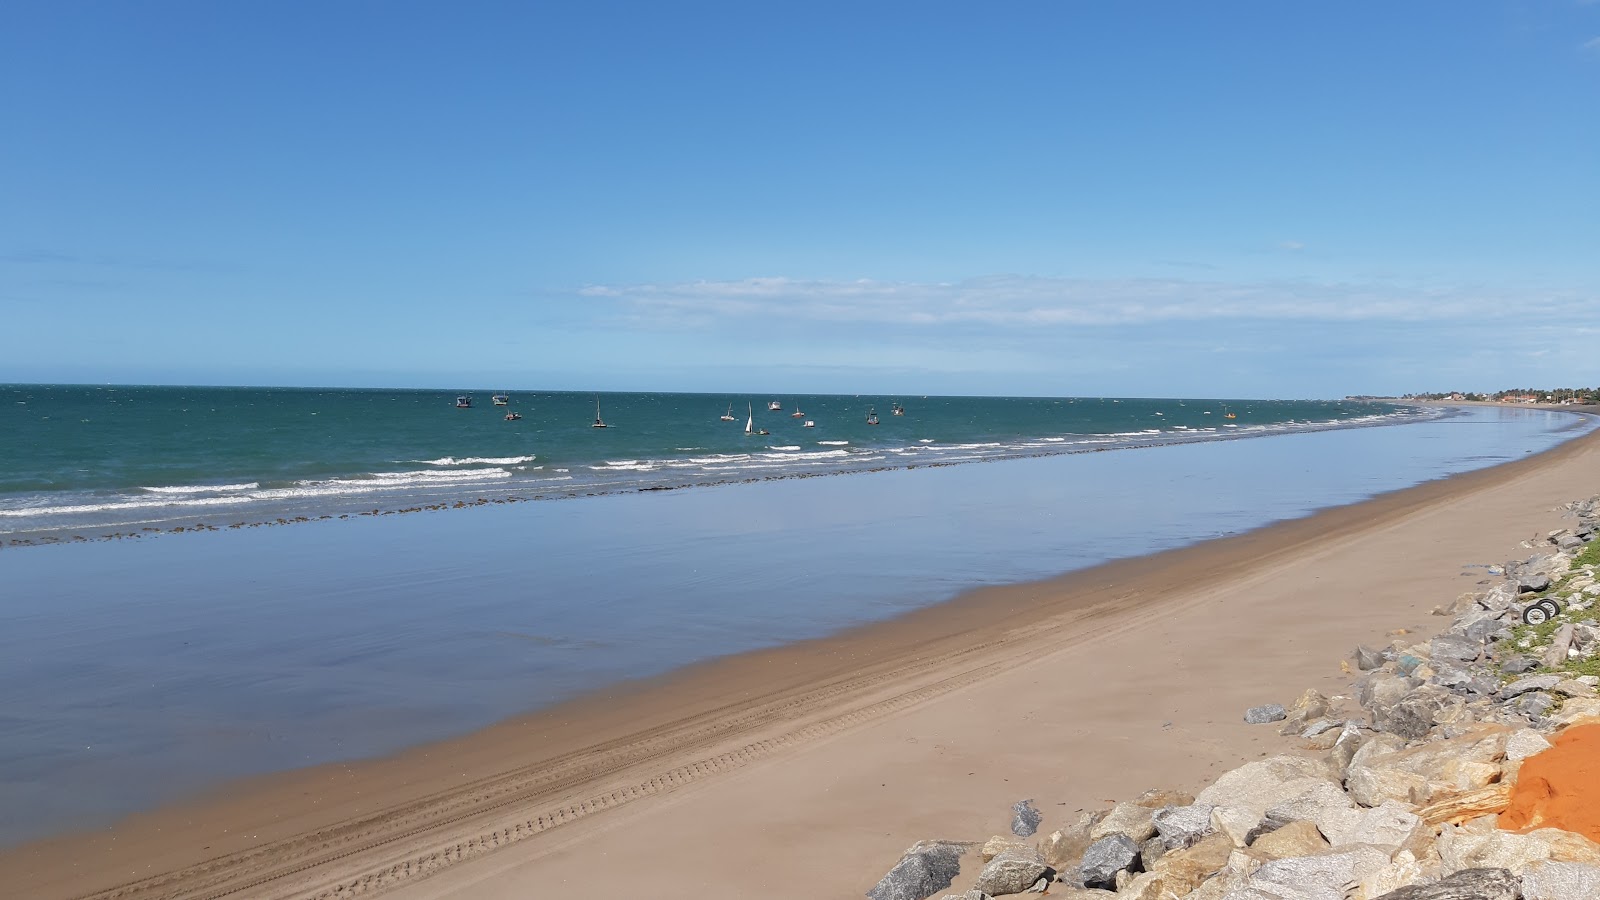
(1560, 788)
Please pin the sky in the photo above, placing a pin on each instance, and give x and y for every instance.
(1242, 199)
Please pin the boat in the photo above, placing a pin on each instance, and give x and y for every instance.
(1227, 413)
(513, 416)
(872, 416)
(810, 424)
(750, 424)
(463, 402)
(897, 409)
(501, 400)
(728, 416)
(797, 414)
(598, 422)
(774, 406)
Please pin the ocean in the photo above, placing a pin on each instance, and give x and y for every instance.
(88, 461)
(139, 672)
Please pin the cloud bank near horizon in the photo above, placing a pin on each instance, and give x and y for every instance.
(1024, 302)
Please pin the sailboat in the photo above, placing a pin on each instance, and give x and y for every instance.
(1227, 413)
(750, 424)
(797, 414)
(598, 422)
(728, 416)
(872, 416)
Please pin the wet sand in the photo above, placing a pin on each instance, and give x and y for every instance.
(803, 771)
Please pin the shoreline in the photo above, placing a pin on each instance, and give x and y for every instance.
(369, 505)
(730, 714)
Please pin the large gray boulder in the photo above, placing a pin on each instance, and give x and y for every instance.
(1367, 658)
(1183, 826)
(1532, 582)
(1131, 819)
(1262, 784)
(1024, 819)
(925, 869)
(1261, 715)
(1322, 877)
(1468, 884)
(1415, 714)
(1546, 880)
(1013, 872)
(1105, 858)
(1459, 649)
(1529, 685)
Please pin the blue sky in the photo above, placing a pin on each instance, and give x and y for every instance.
(1233, 198)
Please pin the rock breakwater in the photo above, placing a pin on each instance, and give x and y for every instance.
(1461, 767)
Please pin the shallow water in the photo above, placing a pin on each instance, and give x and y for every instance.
(136, 672)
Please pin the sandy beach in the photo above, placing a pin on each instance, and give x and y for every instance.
(804, 771)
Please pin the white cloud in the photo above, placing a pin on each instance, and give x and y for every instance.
(1592, 44)
(1292, 245)
(1024, 302)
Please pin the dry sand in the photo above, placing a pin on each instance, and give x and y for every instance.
(804, 771)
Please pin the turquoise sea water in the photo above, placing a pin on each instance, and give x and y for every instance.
(86, 460)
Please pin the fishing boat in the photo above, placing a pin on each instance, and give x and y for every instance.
(810, 424)
(774, 406)
(872, 416)
(897, 409)
(1227, 413)
(797, 414)
(728, 416)
(501, 400)
(513, 416)
(463, 402)
(750, 424)
(598, 422)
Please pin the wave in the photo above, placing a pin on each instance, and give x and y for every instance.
(833, 443)
(201, 488)
(479, 460)
(784, 448)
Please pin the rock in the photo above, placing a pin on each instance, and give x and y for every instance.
(1384, 770)
(1183, 826)
(1261, 715)
(1151, 851)
(1344, 748)
(1158, 798)
(1187, 868)
(1295, 839)
(1130, 819)
(1381, 689)
(1321, 877)
(1532, 582)
(1525, 743)
(1468, 884)
(1415, 714)
(926, 868)
(1528, 685)
(999, 844)
(1367, 658)
(1024, 819)
(1260, 785)
(1237, 823)
(1544, 880)
(1451, 648)
(1462, 847)
(1068, 892)
(1064, 847)
(1105, 858)
(1557, 653)
(1391, 826)
(1013, 872)
(1458, 808)
(969, 895)
(1533, 706)
(1516, 665)
(1323, 804)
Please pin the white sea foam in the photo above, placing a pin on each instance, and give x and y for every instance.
(833, 443)
(479, 460)
(784, 448)
(201, 488)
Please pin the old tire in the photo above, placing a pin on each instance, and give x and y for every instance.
(1535, 614)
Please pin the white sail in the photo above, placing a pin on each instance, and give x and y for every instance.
(750, 423)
